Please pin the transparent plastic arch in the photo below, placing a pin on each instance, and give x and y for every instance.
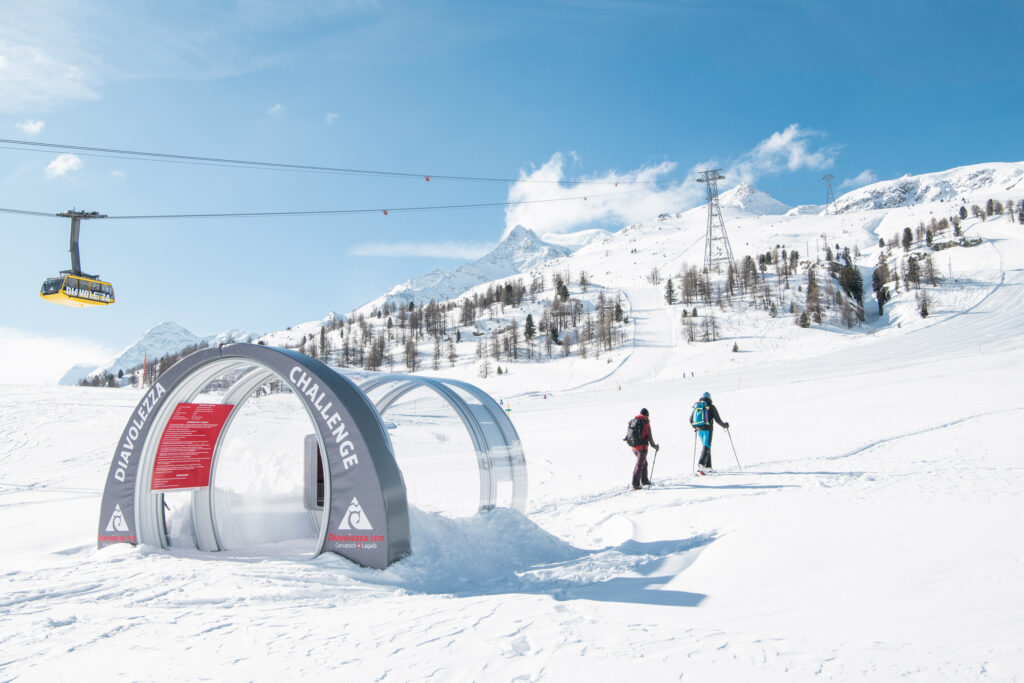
(499, 452)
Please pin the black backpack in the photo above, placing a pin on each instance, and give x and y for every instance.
(634, 432)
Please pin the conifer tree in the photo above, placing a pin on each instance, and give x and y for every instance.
(670, 292)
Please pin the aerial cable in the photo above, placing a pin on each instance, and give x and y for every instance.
(328, 212)
(20, 145)
(29, 213)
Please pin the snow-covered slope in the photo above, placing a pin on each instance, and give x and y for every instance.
(998, 180)
(519, 252)
(875, 539)
(806, 209)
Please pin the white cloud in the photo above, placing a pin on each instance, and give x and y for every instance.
(792, 149)
(605, 202)
(30, 127)
(789, 150)
(457, 250)
(331, 118)
(41, 359)
(62, 165)
(276, 109)
(117, 173)
(34, 77)
(865, 177)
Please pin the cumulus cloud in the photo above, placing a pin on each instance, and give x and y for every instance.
(331, 118)
(276, 109)
(865, 177)
(30, 127)
(610, 198)
(63, 165)
(44, 359)
(620, 198)
(792, 149)
(455, 250)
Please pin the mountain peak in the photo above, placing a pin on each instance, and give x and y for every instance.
(519, 233)
(752, 200)
(520, 251)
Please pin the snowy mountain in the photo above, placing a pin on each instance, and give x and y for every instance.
(521, 251)
(165, 338)
(753, 201)
(230, 336)
(993, 179)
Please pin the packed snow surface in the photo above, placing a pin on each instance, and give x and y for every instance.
(873, 531)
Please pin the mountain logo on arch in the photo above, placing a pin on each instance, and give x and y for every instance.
(354, 517)
(117, 522)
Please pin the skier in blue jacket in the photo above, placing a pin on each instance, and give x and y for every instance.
(703, 418)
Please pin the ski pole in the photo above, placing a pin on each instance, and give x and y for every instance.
(650, 478)
(733, 449)
(694, 469)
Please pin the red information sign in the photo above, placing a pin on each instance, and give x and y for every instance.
(186, 447)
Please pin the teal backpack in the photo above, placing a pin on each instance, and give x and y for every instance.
(701, 415)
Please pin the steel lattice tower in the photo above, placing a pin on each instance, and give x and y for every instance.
(716, 243)
(830, 197)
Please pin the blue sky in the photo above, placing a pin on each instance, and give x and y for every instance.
(779, 92)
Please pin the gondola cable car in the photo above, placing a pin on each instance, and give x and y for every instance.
(73, 287)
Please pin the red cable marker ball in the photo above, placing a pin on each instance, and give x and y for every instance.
(427, 178)
(385, 212)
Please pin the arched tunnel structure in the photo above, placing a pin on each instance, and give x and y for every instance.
(172, 443)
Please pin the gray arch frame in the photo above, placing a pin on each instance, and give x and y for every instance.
(499, 452)
(358, 457)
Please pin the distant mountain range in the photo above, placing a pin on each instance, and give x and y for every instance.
(522, 251)
(161, 340)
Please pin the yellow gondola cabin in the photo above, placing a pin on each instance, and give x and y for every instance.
(77, 290)
(73, 287)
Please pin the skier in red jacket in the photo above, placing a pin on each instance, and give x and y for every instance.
(640, 450)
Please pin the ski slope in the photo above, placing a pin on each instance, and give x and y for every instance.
(873, 532)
